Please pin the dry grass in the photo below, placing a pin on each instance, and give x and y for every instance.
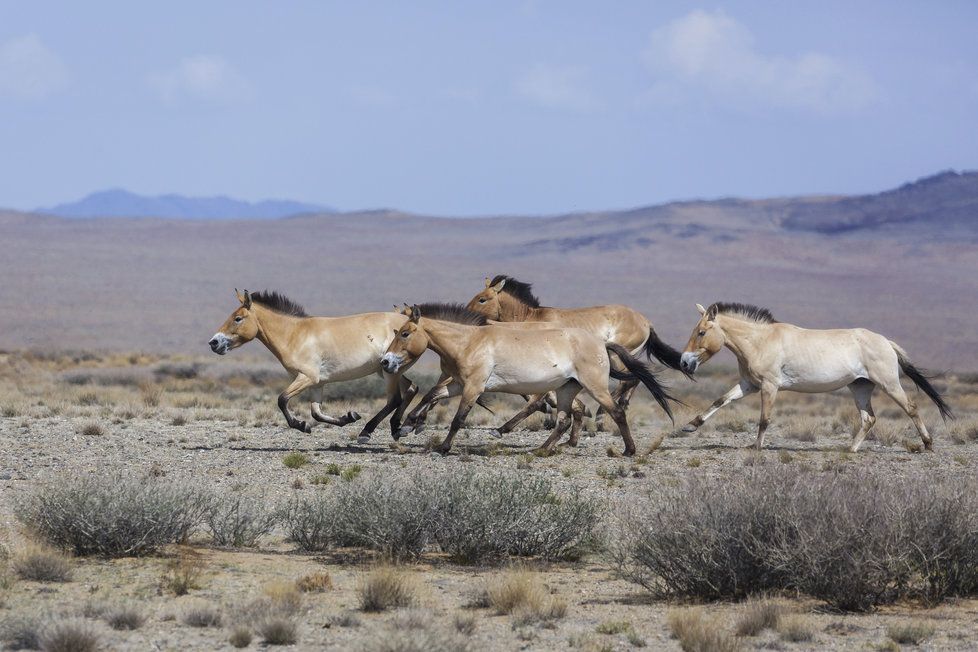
(757, 615)
(386, 587)
(278, 630)
(910, 632)
(240, 637)
(521, 594)
(699, 632)
(41, 564)
(796, 628)
(201, 614)
(315, 583)
(295, 460)
(69, 635)
(124, 617)
(183, 573)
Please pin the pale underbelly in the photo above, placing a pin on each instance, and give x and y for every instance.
(524, 384)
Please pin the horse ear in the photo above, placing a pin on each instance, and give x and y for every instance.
(247, 300)
(488, 281)
(711, 314)
(701, 309)
(498, 287)
(415, 313)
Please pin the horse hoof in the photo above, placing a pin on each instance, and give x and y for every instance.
(403, 431)
(353, 416)
(628, 452)
(689, 428)
(418, 429)
(441, 450)
(495, 433)
(928, 445)
(363, 439)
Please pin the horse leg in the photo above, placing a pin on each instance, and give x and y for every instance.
(408, 391)
(469, 395)
(894, 390)
(742, 389)
(565, 397)
(536, 402)
(415, 420)
(625, 390)
(317, 413)
(769, 393)
(393, 402)
(616, 395)
(300, 383)
(862, 394)
(577, 422)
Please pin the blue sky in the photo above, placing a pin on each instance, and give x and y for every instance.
(463, 108)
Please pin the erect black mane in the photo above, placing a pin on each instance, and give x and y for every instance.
(279, 303)
(518, 290)
(745, 310)
(454, 312)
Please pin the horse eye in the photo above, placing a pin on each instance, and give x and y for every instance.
(702, 333)
(404, 334)
(482, 300)
(238, 320)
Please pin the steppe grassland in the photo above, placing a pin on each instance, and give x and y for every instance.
(213, 422)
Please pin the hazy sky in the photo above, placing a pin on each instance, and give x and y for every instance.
(482, 107)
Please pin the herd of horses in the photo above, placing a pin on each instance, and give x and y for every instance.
(503, 340)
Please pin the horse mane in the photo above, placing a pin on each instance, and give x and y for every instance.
(454, 312)
(279, 303)
(518, 290)
(745, 310)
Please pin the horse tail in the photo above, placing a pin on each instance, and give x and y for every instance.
(640, 371)
(670, 357)
(921, 378)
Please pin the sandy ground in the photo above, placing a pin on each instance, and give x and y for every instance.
(232, 436)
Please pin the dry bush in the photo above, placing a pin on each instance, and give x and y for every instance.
(124, 617)
(201, 614)
(613, 627)
(910, 632)
(964, 431)
(69, 635)
(238, 520)
(112, 515)
(284, 598)
(384, 588)
(21, 632)
(315, 583)
(698, 632)
(277, 630)
(91, 429)
(852, 538)
(41, 564)
(464, 623)
(240, 637)
(521, 594)
(183, 573)
(796, 628)
(802, 429)
(758, 615)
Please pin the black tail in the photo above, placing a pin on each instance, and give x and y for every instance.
(656, 348)
(639, 371)
(921, 379)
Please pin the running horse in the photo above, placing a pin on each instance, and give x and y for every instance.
(508, 300)
(317, 351)
(775, 356)
(485, 358)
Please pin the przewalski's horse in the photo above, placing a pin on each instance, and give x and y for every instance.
(318, 350)
(773, 356)
(485, 358)
(507, 299)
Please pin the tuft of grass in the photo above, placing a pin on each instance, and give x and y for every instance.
(41, 564)
(178, 420)
(284, 598)
(295, 459)
(315, 583)
(320, 480)
(350, 472)
(758, 615)
(240, 637)
(521, 594)
(69, 635)
(183, 573)
(910, 632)
(278, 630)
(333, 469)
(202, 615)
(694, 462)
(124, 617)
(655, 444)
(384, 588)
(912, 446)
(796, 628)
(612, 627)
(464, 623)
(21, 632)
(698, 632)
(91, 429)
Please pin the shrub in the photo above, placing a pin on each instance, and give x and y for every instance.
(758, 615)
(852, 538)
(796, 628)
(91, 429)
(240, 637)
(315, 583)
(183, 573)
(238, 520)
(350, 472)
(698, 632)
(114, 515)
(124, 618)
(202, 615)
(21, 633)
(277, 630)
(70, 635)
(521, 594)
(384, 588)
(41, 564)
(482, 517)
(295, 459)
(613, 627)
(911, 632)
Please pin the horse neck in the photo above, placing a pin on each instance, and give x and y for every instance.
(740, 336)
(511, 309)
(275, 331)
(447, 339)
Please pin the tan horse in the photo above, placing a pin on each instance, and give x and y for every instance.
(485, 358)
(507, 299)
(317, 351)
(773, 356)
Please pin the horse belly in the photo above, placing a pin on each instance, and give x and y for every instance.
(526, 379)
(816, 380)
(333, 371)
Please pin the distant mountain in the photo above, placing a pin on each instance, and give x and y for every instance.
(122, 203)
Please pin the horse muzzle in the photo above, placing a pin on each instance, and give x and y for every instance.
(689, 362)
(390, 363)
(220, 343)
